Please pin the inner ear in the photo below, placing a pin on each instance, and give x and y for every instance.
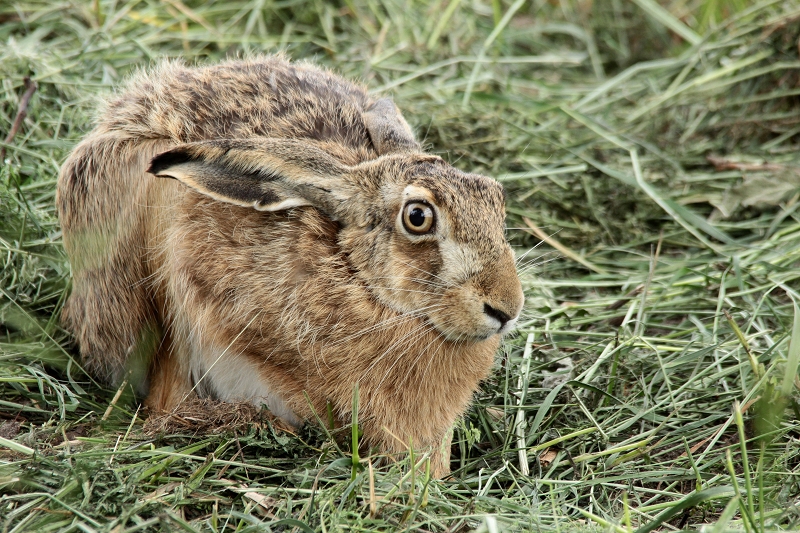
(225, 183)
(265, 174)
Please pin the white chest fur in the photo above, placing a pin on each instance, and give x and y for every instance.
(228, 376)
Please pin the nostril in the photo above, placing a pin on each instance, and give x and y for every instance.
(497, 314)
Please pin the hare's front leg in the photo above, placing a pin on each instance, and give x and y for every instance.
(440, 456)
(170, 379)
(436, 449)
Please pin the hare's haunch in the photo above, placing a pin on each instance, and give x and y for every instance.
(304, 244)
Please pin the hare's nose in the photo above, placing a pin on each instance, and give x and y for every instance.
(497, 314)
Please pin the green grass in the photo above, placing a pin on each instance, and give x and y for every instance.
(652, 384)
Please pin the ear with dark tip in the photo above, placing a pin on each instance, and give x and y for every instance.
(266, 174)
(388, 130)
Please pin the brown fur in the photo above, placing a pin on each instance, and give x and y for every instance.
(183, 281)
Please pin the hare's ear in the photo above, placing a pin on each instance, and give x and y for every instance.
(266, 174)
(388, 130)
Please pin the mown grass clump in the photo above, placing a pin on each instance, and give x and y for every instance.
(649, 151)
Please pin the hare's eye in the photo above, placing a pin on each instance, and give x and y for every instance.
(418, 218)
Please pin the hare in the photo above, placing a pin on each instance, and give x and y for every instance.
(304, 244)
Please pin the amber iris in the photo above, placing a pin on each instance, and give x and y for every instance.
(418, 218)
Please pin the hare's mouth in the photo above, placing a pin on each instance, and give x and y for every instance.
(476, 331)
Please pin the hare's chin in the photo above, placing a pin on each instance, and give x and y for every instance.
(474, 336)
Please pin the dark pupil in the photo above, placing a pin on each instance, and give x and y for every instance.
(417, 217)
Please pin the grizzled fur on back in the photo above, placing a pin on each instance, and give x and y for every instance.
(267, 97)
(304, 244)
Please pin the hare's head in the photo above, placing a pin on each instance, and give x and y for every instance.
(424, 238)
(429, 239)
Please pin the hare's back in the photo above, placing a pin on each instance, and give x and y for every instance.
(268, 96)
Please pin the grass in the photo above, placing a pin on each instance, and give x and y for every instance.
(650, 155)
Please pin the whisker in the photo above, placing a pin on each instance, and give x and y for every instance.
(540, 261)
(533, 265)
(416, 280)
(532, 248)
(397, 289)
(431, 358)
(427, 329)
(389, 321)
(389, 349)
(447, 283)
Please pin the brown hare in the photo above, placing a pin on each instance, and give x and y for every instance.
(304, 245)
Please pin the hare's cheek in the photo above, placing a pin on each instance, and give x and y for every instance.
(460, 262)
(416, 268)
